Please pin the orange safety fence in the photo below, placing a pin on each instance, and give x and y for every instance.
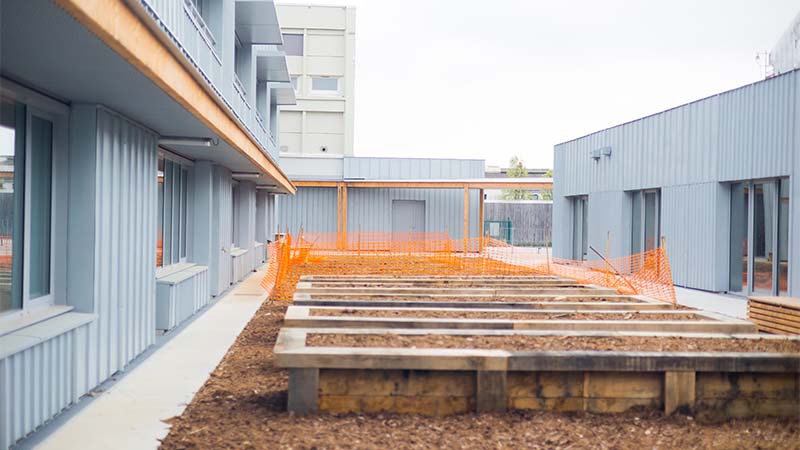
(403, 254)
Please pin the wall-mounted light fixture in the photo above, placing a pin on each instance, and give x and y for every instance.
(595, 154)
(606, 151)
(264, 187)
(245, 175)
(192, 141)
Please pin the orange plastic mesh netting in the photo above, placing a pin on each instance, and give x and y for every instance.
(382, 253)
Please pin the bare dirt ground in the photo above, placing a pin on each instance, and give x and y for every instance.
(475, 298)
(243, 406)
(509, 315)
(534, 343)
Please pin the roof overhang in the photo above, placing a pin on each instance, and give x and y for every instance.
(257, 22)
(282, 93)
(479, 183)
(271, 64)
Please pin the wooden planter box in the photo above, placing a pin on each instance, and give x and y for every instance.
(777, 315)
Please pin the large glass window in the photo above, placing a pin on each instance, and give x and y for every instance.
(173, 211)
(26, 174)
(292, 44)
(12, 200)
(759, 237)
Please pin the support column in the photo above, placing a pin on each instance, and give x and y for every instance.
(466, 218)
(480, 218)
(679, 391)
(492, 391)
(303, 391)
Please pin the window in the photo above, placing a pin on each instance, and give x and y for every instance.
(173, 210)
(327, 85)
(759, 237)
(296, 84)
(580, 228)
(645, 221)
(292, 44)
(234, 213)
(26, 155)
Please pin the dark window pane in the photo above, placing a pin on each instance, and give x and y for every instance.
(783, 238)
(325, 84)
(763, 214)
(738, 244)
(12, 200)
(160, 214)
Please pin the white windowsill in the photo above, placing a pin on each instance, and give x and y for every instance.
(36, 333)
(30, 317)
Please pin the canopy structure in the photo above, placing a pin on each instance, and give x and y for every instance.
(466, 184)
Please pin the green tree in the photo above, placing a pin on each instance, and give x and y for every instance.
(516, 169)
(547, 194)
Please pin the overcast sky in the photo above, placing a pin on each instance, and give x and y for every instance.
(495, 78)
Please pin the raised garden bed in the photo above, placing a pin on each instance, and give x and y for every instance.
(588, 298)
(505, 314)
(516, 342)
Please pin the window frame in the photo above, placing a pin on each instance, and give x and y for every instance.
(57, 114)
(178, 195)
(325, 92)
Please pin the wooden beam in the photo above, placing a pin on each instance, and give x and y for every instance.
(432, 184)
(466, 218)
(480, 218)
(344, 214)
(115, 24)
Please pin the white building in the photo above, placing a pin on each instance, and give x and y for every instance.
(319, 42)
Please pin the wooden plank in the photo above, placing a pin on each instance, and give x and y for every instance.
(789, 302)
(783, 329)
(771, 318)
(778, 309)
(679, 391)
(431, 184)
(466, 218)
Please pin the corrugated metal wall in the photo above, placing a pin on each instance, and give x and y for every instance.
(412, 168)
(737, 135)
(689, 152)
(371, 209)
(221, 230)
(125, 242)
(313, 209)
(39, 382)
(691, 216)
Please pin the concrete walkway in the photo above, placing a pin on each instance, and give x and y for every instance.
(729, 305)
(130, 414)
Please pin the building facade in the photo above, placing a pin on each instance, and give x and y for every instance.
(139, 150)
(319, 42)
(785, 56)
(717, 178)
(384, 209)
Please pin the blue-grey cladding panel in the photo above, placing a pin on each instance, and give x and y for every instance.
(412, 168)
(313, 209)
(371, 209)
(741, 134)
(691, 216)
(125, 243)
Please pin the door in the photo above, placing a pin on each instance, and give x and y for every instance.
(580, 228)
(408, 216)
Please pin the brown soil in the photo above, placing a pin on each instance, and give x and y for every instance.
(450, 298)
(243, 406)
(542, 343)
(509, 315)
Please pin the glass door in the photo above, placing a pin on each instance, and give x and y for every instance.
(759, 237)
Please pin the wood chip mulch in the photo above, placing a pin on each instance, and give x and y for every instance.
(559, 343)
(243, 406)
(508, 315)
(452, 298)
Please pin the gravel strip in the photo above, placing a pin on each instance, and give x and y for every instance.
(243, 406)
(557, 343)
(509, 315)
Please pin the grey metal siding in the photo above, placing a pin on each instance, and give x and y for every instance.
(371, 209)
(412, 168)
(691, 216)
(125, 243)
(690, 153)
(313, 209)
(41, 381)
